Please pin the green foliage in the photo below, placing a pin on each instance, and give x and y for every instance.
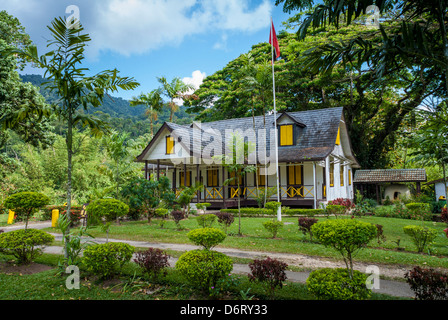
(420, 210)
(338, 284)
(273, 227)
(204, 268)
(161, 212)
(109, 209)
(335, 209)
(203, 205)
(105, 260)
(74, 241)
(273, 206)
(422, 237)
(206, 220)
(24, 245)
(344, 235)
(305, 212)
(206, 237)
(148, 194)
(26, 203)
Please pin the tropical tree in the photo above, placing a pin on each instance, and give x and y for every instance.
(176, 89)
(237, 166)
(67, 78)
(154, 103)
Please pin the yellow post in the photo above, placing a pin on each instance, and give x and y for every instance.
(54, 217)
(11, 217)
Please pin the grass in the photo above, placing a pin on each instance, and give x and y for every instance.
(132, 285)
(290, 240)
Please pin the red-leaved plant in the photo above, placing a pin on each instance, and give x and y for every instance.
(270, 272)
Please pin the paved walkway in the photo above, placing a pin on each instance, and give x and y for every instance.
(393, 288)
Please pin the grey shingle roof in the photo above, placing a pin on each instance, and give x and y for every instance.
(390, 175)
(315, 138)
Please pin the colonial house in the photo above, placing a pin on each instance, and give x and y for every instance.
(314, 157)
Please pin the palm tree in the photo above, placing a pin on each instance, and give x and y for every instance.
(153, 100)
(176, 89)
(67, 79)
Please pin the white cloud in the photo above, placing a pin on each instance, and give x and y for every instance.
(139, 26)
(196, 79)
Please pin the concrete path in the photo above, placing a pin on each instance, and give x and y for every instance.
(393, 288)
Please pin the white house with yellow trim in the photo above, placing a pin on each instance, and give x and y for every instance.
(315, 159)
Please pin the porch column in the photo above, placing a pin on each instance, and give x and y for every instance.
(158, 170)
(224, 190)
(314, 185)
(279, 183)
(174, 178)
(185, 173)
(198, 193)
(146, 169)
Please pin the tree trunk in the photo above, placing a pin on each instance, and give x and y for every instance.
(69, 143)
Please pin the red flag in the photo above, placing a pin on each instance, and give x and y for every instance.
(274, 42)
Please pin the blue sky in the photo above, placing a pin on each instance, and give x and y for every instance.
(146, 39)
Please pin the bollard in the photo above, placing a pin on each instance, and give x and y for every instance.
(54, 217)
(11, 217)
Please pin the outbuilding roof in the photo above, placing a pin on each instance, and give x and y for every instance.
(390, 175)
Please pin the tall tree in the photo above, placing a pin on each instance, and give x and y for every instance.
(176, 89)
(154, 103)
(76, 90)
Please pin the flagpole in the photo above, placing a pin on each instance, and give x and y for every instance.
(279, 211)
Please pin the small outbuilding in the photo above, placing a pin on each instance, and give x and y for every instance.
(439, 188)
(383, 183)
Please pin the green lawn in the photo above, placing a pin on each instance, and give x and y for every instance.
(290, 240)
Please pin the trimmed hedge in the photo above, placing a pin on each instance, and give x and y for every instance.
(335, 284)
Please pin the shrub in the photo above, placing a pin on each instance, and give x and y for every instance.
(335, 209)
(206, 237)
(422, 237)
(419, 211)
(153, 262)
(428, 284)
(273, 206)
(106, 259)
(346, 236)
(203, 206)
(177, 216)
(25, 204)
(444, 215)
(337, 284)
(206, 220)
(109, 209)
(305, 225)
(225, 219)
(347, 203)
(161, 212)
(273, 227)
(24, 245)
(204, 268)
(269, 271)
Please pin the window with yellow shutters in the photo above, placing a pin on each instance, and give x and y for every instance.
(286, 135)
(212, 178)
(169, 145)
(181, 177)
(295, 175)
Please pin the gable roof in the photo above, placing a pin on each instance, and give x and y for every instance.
(314, 142)
(390, 175)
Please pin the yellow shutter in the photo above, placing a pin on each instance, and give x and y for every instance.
(169, 145)
(286, 135)
(298, 174)
(261, 178)
(349, 177)
(212, 178)
(338, 138)
(341, 174)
